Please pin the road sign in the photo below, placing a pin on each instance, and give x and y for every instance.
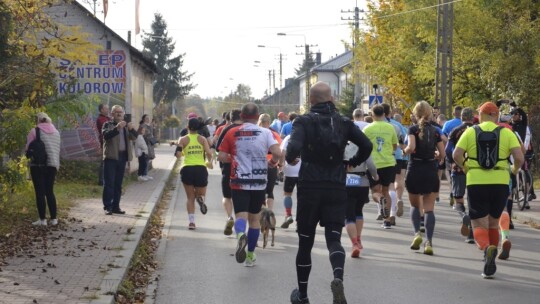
(372, 98)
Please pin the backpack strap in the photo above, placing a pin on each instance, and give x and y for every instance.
(37, 134)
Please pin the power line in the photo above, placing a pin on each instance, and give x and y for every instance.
(415, 10)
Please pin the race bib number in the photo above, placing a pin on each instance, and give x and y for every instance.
(353, 180)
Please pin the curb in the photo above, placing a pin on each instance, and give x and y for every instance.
(111, 281)
(151, 289)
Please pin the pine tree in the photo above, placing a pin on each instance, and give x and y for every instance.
(306, 65)
(171, 82)
(346, 103)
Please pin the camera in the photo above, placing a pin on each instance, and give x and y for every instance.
(127, 118)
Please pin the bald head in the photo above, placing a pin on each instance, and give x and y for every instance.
(319, 93)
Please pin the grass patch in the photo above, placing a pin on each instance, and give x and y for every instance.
(69, 186)
(91, 297)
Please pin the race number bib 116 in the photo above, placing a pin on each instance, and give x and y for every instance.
(353, 180)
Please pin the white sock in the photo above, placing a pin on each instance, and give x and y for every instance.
(191, 218)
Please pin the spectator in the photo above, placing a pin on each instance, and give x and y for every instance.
(141, 151)
(103, 117)
(150, 140)
(43, 176)
(117, 135)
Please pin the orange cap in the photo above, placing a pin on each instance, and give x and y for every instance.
(488, 108)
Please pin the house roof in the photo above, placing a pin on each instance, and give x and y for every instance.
(335, 64)
(132, 50)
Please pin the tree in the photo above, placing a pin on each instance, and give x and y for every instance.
(171, 82)
(306, 65)
(346, 103)
(30, 41)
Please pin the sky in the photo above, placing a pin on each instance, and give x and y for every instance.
(220, 39)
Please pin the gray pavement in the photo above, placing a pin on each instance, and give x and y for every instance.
(85, 258)
(199, 266)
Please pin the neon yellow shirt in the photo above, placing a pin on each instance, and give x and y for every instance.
(193, 152)
(476, 175)
(383, 136)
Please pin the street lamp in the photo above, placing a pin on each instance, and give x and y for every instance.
(280, 62)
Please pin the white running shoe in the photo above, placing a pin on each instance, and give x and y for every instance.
(148, 177)
(40, 223)
(141, 178)
(54, 222)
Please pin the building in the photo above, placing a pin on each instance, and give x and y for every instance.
(118, 74)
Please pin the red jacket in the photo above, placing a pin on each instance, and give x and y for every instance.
(101, 120)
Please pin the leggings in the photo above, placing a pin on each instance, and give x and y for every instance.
(43, 180)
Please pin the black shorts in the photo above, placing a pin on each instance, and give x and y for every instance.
(387, 175)
(196, 176)
(421, 177)
(289, 184)
(226, 180)
(248, 200)
(401, 164)
(356, 198)
(459, 182)
(323, 206)
(272, 178)
(487, 199)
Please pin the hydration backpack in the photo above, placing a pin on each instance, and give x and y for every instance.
(487, 147)
(36, 151)
(328, 142)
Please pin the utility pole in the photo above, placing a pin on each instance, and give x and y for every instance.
(274, 81)
(270, 92)
(443, 78)
(356, 72)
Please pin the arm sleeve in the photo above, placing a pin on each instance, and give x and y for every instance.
(527, 138)
(371, 166)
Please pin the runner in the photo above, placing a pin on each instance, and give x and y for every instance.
(421, 181)
(487, 189)
(246, 147)
(458, 179)
(264, 122)
(233, 120)
(194, 173)
(290, 172)
(384, 139)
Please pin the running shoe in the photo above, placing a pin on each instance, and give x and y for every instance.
(250, 259)
(228, 226)
(386, 225)
(465, 224)
(288, 220)
(191, 226)
(355, 251)
(379, 217)
(385, 212)
(241, 248)
(415, 245)
(489, 262)
(204, 209)
(399, 212)
(511, 225)
(40, 223)
(428, 249)
(505, 250)
(459, 207)
(451, 201)
(392, 220)
(527, 206)
(295, 298)
(338, 292)
(532, 197)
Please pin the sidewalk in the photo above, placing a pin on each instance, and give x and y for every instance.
(84, 259)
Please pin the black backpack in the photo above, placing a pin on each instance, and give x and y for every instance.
(36, 151)
(487, 147)
(328, 143)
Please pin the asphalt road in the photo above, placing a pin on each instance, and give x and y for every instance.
(199, 266)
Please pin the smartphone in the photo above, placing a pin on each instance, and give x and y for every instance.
(127, 117)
